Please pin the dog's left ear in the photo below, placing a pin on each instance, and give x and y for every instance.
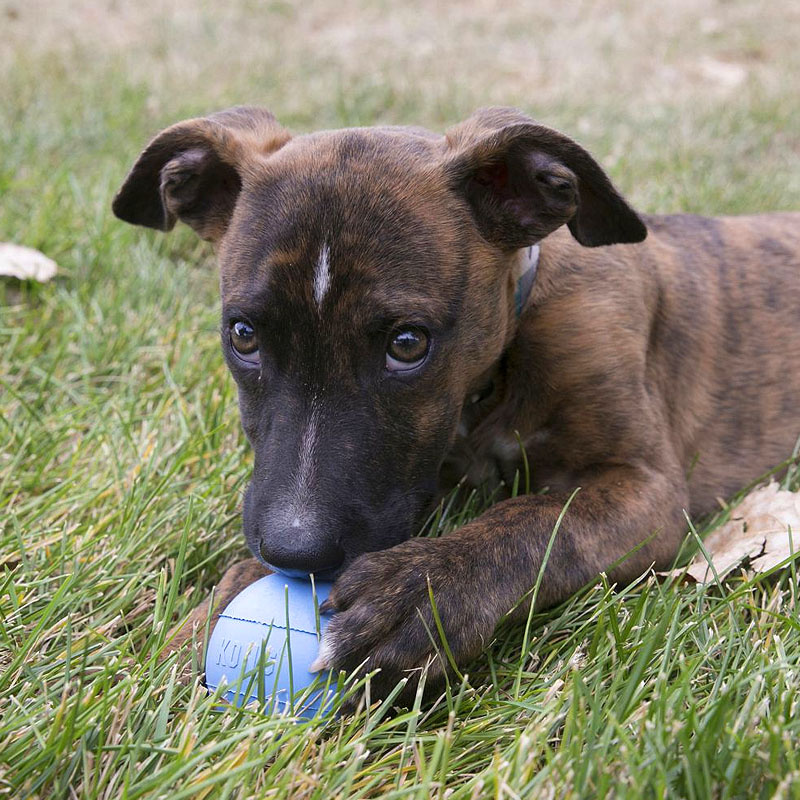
(193, 171)
(523, 180)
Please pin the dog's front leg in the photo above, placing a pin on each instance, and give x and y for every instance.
(487, 568)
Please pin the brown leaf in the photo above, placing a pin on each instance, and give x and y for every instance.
(764, 528)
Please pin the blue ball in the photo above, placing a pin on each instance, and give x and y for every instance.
(264, 643)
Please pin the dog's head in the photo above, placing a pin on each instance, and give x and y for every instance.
(367, 291)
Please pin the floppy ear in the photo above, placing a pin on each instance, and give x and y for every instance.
(193, 171)
(523, 180)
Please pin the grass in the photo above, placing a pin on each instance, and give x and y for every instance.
(122, 463)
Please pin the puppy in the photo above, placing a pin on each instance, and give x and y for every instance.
(401, 309)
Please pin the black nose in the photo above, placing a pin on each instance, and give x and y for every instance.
(294, 552)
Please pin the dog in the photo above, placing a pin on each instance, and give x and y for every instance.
(401, 310)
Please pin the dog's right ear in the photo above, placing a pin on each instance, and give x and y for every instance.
(193, 171)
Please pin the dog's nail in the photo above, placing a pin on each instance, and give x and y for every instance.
(322, 661)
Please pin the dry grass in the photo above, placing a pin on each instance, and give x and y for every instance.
(451, 56)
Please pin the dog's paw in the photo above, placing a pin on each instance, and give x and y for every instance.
(385, 621)
(186, 641)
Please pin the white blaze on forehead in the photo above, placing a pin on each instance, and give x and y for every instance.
(322, 274)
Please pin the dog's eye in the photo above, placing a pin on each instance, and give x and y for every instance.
(408, 347)
(244, 341)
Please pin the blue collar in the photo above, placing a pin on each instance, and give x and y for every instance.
(525, 274)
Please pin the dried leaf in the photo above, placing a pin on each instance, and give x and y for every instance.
(25, 263)
(764, 528)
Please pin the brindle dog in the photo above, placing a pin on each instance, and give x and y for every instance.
(381, 319)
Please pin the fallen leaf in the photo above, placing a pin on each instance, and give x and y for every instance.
(25, 263)
(764, 529)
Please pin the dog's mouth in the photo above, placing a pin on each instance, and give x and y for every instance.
(298, 545)
(319, 575)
